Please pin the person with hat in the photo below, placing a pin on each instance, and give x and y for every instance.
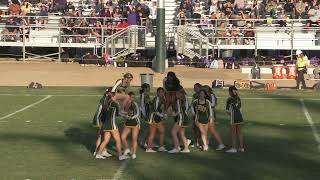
(236, 120)
(301, 64)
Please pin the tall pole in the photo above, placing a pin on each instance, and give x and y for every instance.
(159, 63)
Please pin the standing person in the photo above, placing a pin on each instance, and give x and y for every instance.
(120, 89)
(132, 124)
(302, 61)
(145, 108)
(171, 84)
(236, 120)
(181, 122)
(211, 126)
(110, 128)
(201, 108)
(196, 130)
(156, 121)
(98, 121)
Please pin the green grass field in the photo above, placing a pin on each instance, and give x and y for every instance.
(54, 139)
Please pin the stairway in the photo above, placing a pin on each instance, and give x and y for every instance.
(171, 7)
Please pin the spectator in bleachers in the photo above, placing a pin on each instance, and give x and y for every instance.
(122, 25)
(24, 28)
(281, 16)
(82, 31)
(314, 14)
(98, 5)
(212, 6)
(93, 18)
(181, 17)
(228, 7)
(221, 33)
(14, 8)
(117, 15)
(43, 19)
(300, 9)
(59, 5)
(110, 28)
(271, 8)
(289, 8)
(238, 6)
(249, 35)
(97, 31)
(10, 31)
(133, 17)
(26, 7)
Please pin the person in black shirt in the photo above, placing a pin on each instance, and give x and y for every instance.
(289, 8)
(10, 31)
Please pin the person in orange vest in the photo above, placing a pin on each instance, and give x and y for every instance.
(301, 64)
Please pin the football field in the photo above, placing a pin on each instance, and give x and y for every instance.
(47, 134)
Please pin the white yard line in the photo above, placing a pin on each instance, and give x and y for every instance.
(120, 171)
(27, 107)
(311, 123)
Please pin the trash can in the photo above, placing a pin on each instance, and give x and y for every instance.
(277, 71)
(147, 78)
(291, 71)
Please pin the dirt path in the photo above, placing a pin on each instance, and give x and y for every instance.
(62, 74)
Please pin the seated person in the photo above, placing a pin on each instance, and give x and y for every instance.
(83, 31)
(43, 19)
(10, 31)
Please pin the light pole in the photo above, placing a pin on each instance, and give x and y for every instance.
(159, 63)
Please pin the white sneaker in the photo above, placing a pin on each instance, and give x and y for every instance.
(134, 156)
(162, 149)
(150, 150)
(179, 148)
(192, 145)
(188, 143)
(220, 147)
(123, 157)
(126, 152)
(241, 149)
(99, 156)
(174, 150)
(185, 150)
(232, 150)
(105, 153)
(94, 153)
(205, 147)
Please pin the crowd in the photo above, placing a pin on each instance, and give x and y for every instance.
(226, 20)
(151, 115)
(228, 17)
(93, 19)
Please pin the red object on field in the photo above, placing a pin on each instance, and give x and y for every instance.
(277, 71)
(291, 71)
(269, 86)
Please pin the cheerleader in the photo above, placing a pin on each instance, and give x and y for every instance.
(156, 121)
(145, 108)
(181, 122)
(233, 108)
(196, 131)
(132, 124)
(211, 126)
(110, 128)
(171, 85)
(201, 109)
(120, 90)
(98, 121)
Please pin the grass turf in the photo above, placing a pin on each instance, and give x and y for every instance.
(55, 140)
